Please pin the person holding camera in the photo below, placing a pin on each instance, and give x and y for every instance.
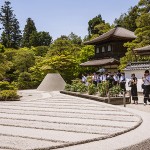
(146, 81)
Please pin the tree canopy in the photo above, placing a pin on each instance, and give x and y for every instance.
(25, 59)
(11, 35)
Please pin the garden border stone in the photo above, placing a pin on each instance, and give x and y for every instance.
(113, 100)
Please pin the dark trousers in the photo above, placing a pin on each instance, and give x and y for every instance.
(123, 86)
(146, 93)
(134, 93)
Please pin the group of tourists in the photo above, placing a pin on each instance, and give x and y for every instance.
(118, 78)
(145, 86)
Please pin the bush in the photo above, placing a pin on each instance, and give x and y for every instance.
(115, 90)
(68, 87)
(92, 89)
(82, 88)
(5, 85)
(9, 95)
(103, 88)
(24, 80)
(74, 88)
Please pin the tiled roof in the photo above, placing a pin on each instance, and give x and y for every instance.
(100, 62)
(143, 50)
(118, 32)
(138, 66)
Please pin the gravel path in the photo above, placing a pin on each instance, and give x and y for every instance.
(53, 120)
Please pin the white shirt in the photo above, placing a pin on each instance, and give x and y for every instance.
(103, 78)
(122, 79)
(147, 80)
(84, 79)
(116, 78)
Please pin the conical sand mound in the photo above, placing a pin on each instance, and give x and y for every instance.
(52, 82)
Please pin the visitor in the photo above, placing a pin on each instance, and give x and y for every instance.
(110, 79)
(122, 82)
(133, 85)
(84, 79)
(103, 77)
(119, 74)
(94, 78)
(116, 78)
(146, 81)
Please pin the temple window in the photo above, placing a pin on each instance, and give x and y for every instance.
(103, 49)
(97, 50)
(109, 48)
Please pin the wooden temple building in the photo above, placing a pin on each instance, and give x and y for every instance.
(109, 48)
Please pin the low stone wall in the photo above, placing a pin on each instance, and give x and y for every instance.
(113, 100)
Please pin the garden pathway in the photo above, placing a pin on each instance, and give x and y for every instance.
(53, 120)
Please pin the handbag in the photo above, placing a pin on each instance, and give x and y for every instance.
(143, 86)
(129, 84)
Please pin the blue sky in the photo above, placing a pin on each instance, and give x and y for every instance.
(61, 17)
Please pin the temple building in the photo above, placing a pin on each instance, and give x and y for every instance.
(109, 48)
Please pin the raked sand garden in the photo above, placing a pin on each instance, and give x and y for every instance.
(52, 120)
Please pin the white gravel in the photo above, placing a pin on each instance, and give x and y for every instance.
(49, 119)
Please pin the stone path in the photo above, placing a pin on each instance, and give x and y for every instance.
(53, 120)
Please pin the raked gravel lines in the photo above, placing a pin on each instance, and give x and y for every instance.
(43, 120)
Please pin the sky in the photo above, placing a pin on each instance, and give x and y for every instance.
(61, 17)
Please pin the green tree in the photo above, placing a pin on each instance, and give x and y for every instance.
(4, 64)
(40, 39)
(96, 27)
(40, 50)
(102, 28)
(28, 31)
(75, 39)
(61, 57)
(142, 32)
(23, 60)
(128, 20)
(11, 35)
(93, 22)
(143, 24)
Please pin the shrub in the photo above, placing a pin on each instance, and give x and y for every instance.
(74, 88)
(68, 87)
(82, 88)
(24, 80)
(92, 89)
(5, 85)
(9, 95)
(115, 90)
(103, 88)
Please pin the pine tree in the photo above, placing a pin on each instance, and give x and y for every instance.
(29, 29)
(11, 35)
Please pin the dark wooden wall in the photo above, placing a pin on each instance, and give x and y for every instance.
(117, 50)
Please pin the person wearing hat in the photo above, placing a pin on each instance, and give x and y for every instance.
(146, 81)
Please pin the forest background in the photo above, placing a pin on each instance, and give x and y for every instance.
(27, 56)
